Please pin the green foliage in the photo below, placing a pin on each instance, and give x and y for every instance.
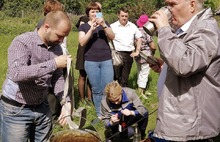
(10, 27)
(136, 7)
(17, 8)
(214, 4)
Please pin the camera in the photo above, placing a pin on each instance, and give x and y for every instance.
(150, 27)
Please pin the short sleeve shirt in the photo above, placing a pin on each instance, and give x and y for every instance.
(97, 48)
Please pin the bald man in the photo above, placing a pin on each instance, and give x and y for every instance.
(189, 86)
(35, 63)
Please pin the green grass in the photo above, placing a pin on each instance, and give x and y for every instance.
(72, 43)
(151, 103)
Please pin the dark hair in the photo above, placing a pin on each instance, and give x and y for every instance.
(92, 6)
(84, 19)
(124, 9)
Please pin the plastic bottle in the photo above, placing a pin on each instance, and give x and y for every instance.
(137, 135)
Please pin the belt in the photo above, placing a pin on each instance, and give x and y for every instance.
(15, 103)
(126, 52)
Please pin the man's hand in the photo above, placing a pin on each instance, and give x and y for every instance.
(136, 53)
(114, 119)
(158, 67)
(65, 112)
(61, 61)
(160, 19)
(127, 112)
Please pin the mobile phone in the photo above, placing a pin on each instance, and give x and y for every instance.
(99, 15)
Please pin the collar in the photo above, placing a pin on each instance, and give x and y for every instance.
(120, 25)
(124, 97)
(39, 40)
(186, 26)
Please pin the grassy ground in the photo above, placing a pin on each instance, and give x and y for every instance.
(151, 103)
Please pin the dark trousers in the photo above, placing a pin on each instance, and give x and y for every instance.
(121, 73)
(113, 133)
(55, 106)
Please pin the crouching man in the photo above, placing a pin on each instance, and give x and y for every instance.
(120, 108)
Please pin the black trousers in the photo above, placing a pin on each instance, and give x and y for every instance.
(112, 133)
(55, 106)
(121, 73)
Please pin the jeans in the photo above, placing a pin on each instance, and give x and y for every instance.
(99, 75)
(20, 124)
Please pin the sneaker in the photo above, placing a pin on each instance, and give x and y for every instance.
(143, 95)
(148, 93)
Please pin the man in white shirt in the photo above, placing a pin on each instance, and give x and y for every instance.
(126, 36)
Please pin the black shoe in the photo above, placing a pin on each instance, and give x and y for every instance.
(143, 135)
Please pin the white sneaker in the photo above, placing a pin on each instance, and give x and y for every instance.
(145, 97)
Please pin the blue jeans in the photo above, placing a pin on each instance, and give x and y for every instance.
(18, 124)
(99, 75)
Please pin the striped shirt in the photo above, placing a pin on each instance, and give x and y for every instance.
(32, 70)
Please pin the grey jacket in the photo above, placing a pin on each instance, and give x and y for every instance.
(190, 101)
(132, 102)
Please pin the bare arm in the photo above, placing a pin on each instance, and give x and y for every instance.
(138, 48)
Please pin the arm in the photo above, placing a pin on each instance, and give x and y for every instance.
(84, 37)
(140, 108)
(138, 48)
(20, 67)
(192, 55)
(193, 51)
(108, 31)
(106, 116)
(106, 28)
(137, 104)
(152, 47)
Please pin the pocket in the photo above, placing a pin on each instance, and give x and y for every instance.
(10, 110)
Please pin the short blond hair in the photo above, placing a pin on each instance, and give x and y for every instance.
(113, 90)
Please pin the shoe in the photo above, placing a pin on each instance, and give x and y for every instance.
(143, 95)
(148, 93)
(141, 90)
